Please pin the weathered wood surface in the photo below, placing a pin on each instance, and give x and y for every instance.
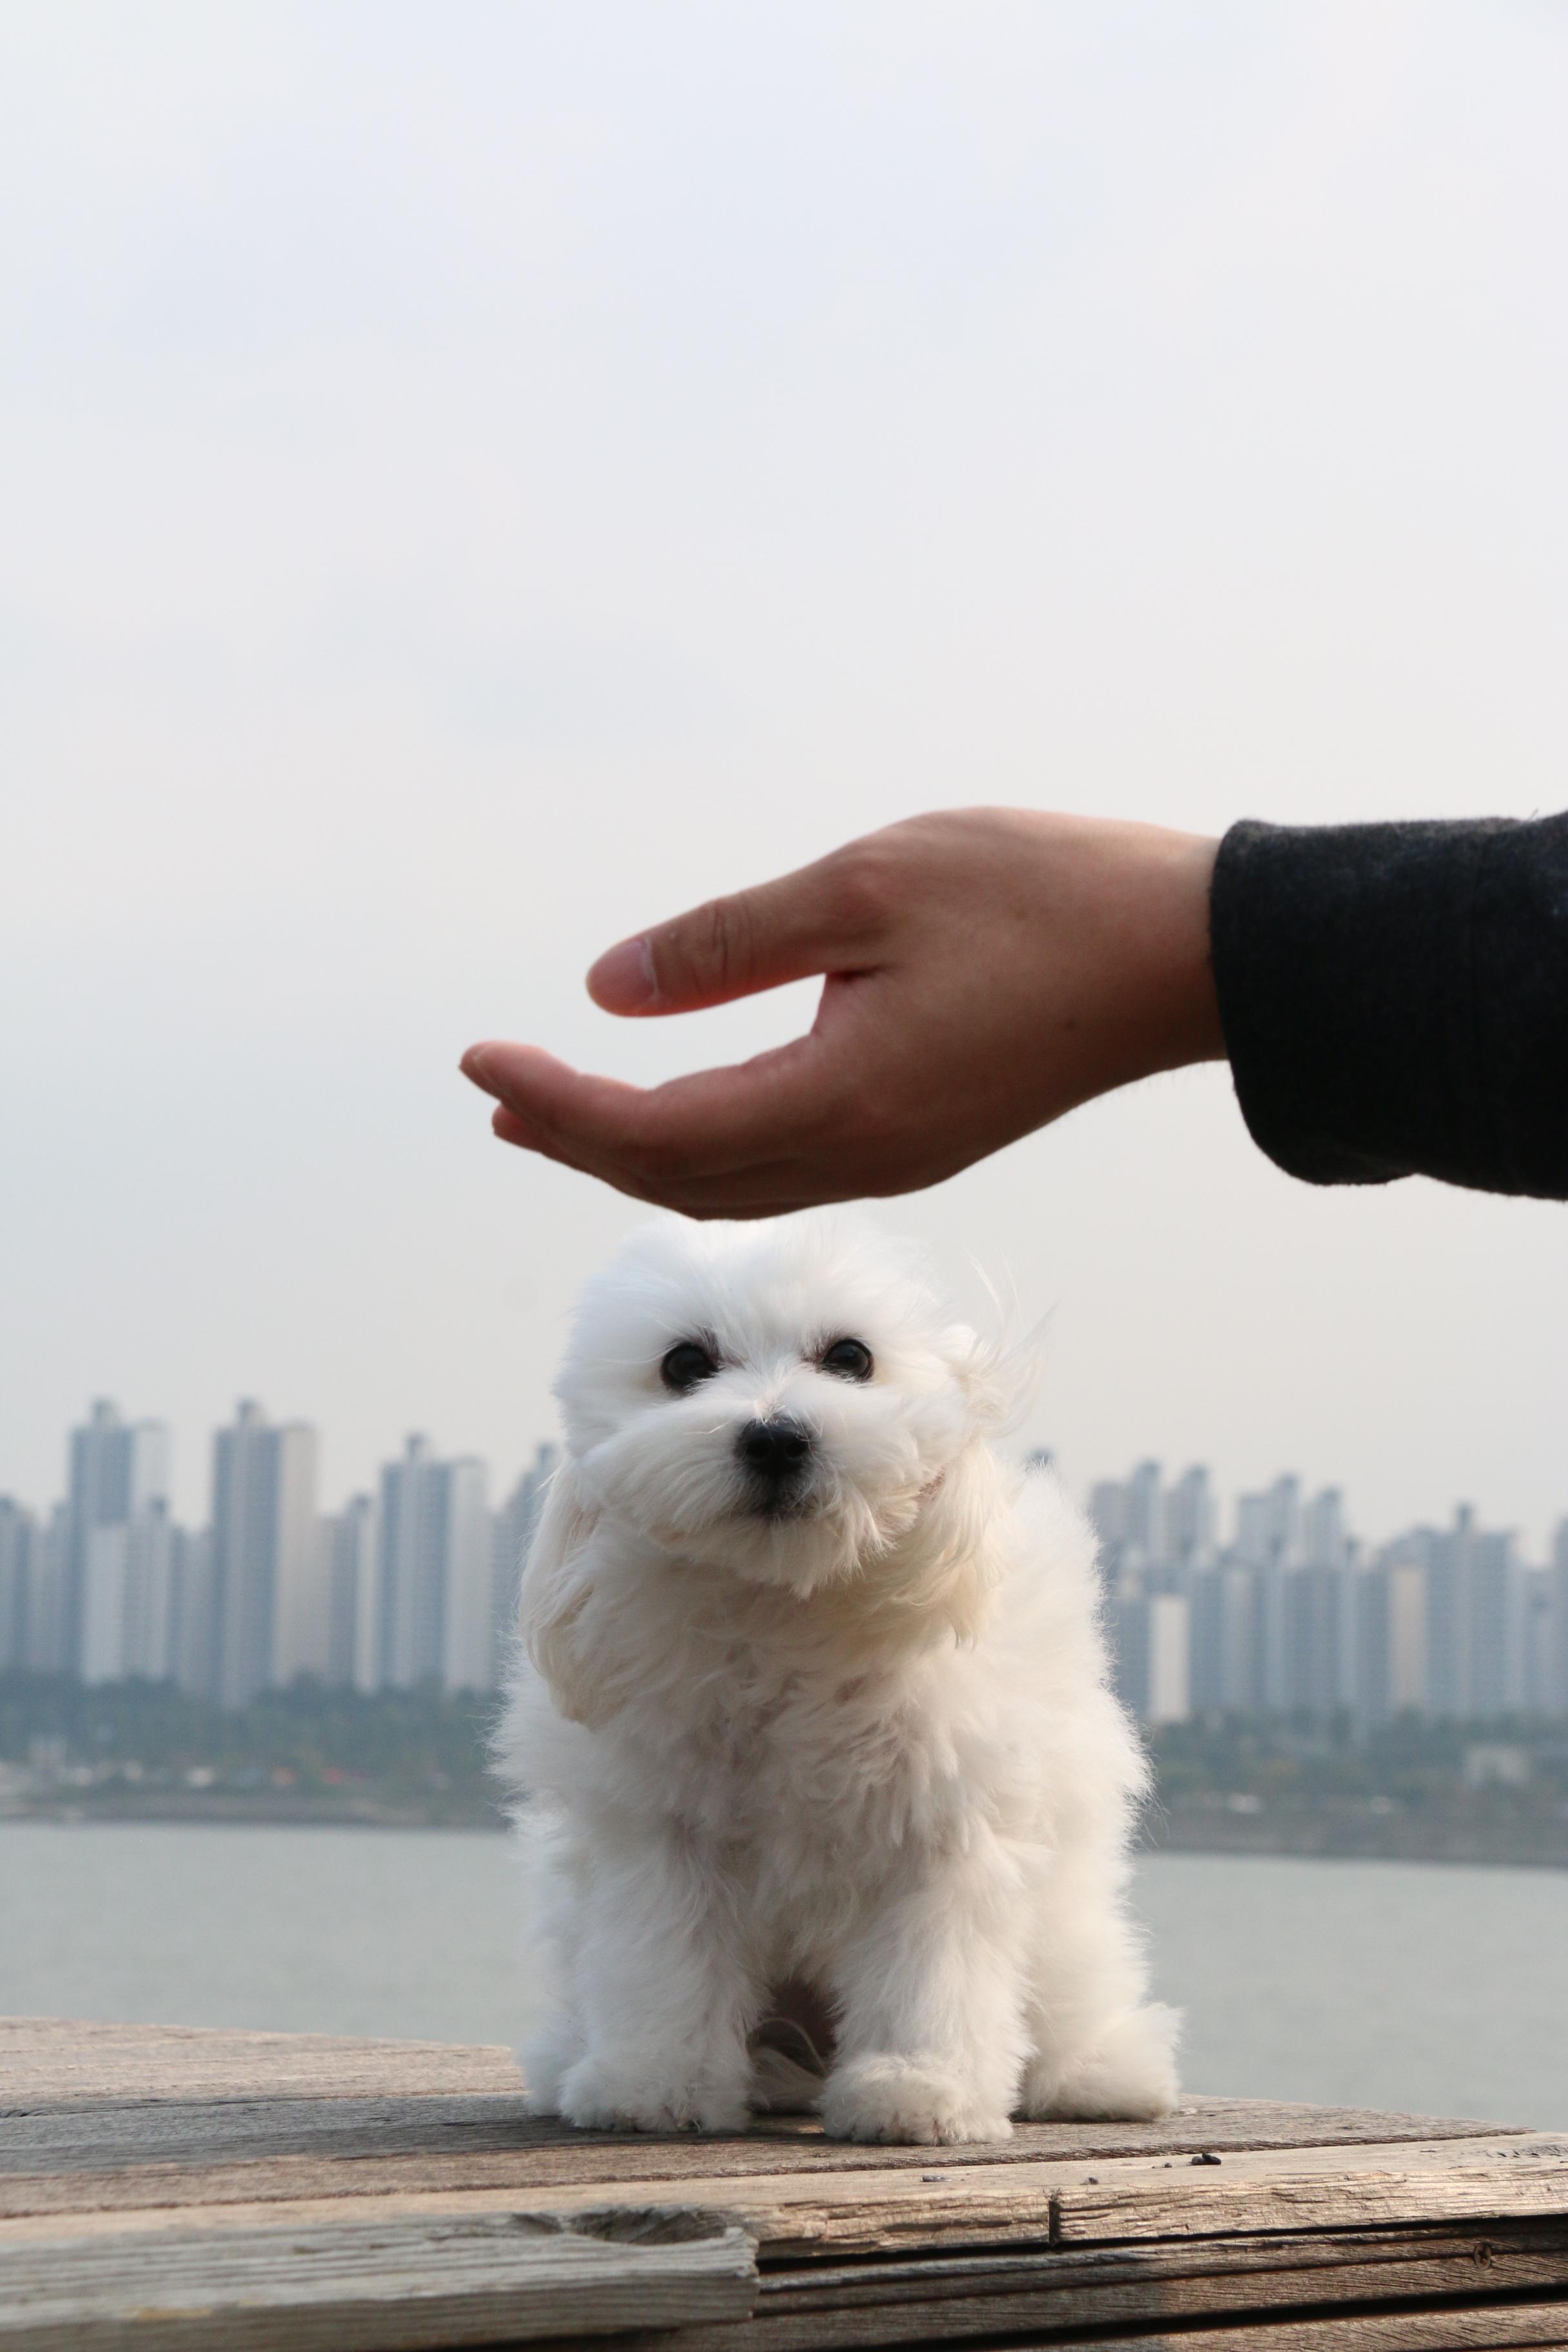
(497, 2277)
(1539, 2326)
(58, 2061)
(894, 2207)
(379, 2194)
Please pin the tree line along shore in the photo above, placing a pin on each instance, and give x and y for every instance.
(1490, 1790)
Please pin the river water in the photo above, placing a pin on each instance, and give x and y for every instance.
(1417, 1987)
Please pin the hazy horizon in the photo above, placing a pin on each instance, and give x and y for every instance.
(478, 482)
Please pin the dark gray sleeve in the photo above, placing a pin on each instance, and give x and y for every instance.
(1394, 999)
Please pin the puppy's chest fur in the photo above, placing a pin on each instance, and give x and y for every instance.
(768, 1725)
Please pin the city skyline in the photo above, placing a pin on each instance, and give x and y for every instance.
(1296, 1615)
(166, 1451)
(1277, 1604)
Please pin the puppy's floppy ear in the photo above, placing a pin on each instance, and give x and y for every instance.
(997, 1374)
(556, 1581)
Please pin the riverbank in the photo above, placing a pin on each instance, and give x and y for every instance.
(1492, 1794)
(1353, 1832)
(1357, 1833)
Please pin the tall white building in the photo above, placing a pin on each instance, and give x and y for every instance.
(350, 1568)
(270, 1605)
(1152, 1642)
(1225, 1639)
(49, 1650)
(18, 1538)
(435, 1571)
(1475, 1621)
(1391, 1676)
(193, 1613)
(1325, 1539)
(117, 1471)
(1189, 1523)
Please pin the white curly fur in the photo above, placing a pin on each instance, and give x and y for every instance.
(866, 1744)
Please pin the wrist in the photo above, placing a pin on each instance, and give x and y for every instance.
(1185, 1004)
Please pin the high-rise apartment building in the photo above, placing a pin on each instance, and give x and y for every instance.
(48, 1648)
(1475, 1621)
(1558, 1574)
(1224, 1638)
(18, 1537)
(1325, 1539)
(435, 1571)
(192, 1655)
(349, 1543)
(128, 1597)
(1188, 1523)
(1537, 1639)
(1496, 1625)
(117, 1470)
(270, 1608)
(1389, 1673)
(1151, 1642)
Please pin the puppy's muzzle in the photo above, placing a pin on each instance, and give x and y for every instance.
(776, 1457)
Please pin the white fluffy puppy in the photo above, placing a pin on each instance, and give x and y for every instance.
(814, 1695)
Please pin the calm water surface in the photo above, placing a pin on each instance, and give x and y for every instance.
(1398, 1985)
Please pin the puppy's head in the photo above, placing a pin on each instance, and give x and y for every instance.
(782, 1400)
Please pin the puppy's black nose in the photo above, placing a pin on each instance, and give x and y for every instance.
(773, 1449)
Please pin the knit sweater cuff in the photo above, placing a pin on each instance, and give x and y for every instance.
(1394, 999)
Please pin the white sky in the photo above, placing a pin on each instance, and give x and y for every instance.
(477, 479)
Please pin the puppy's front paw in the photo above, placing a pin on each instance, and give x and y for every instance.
(637, 2095)
(884, 2098)
(544, 2063)
(1126, 2073)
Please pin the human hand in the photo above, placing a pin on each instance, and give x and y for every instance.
(985, 970)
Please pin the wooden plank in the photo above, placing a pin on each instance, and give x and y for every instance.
(447, 2152)
(52, 2061)
(77, 2136)
(961, 2299)
(798, 2216)
(1306, 2189)
(366, 2288)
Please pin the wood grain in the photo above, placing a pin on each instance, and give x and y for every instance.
(364, 2286)
(1305, 2189)
(1541, 2325)
(52, 2061)
(962, 2299)
(798, 2216)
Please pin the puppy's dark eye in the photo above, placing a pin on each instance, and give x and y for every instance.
(686, 1367)
(849, 1360)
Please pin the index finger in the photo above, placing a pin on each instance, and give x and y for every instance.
(823, 917)
(711, 1122)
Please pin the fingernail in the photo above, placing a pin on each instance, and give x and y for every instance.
(475, 1065)
(622, 980)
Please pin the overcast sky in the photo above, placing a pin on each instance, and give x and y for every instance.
(479, 479)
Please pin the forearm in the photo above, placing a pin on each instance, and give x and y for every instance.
(1394, 999)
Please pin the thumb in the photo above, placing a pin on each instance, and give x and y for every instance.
(823, 917)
